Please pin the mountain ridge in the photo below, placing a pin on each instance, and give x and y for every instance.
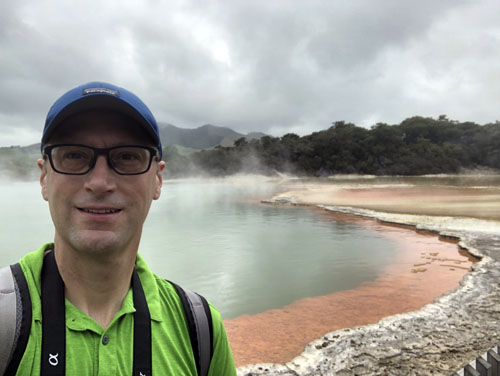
(204, 137)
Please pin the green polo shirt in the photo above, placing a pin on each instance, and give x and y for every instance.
(92, 350)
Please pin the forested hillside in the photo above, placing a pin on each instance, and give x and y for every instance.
(416, 146)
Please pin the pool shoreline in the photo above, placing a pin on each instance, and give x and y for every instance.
(417, 275)
(439, 338)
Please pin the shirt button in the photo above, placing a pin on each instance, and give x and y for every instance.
(105, 340)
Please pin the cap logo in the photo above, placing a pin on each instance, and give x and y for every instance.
(100, 90)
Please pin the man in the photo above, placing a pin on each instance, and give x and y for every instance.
(101, 169)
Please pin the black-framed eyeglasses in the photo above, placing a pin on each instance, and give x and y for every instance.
(76, 159)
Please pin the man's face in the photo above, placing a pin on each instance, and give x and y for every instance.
(101, 211)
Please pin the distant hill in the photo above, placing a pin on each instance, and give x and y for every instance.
(255, 136)
(20, 161)
(417, 146)
(204, 137)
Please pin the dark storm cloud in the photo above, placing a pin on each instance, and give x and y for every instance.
(320, 63)
(273, 66)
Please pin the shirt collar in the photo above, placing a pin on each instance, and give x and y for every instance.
(148, 282)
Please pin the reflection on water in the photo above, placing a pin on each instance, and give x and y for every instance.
(215, 237)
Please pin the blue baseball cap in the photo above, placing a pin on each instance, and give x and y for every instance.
(100, 96)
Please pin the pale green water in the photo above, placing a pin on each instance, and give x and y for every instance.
(245, 257)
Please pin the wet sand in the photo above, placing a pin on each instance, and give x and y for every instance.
(424, 269)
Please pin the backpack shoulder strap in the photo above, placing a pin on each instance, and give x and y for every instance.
(15, 316)
(7, 316)
(200, 327)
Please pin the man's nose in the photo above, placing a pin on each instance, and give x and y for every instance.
(101, 178)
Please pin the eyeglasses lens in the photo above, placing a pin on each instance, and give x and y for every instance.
(72, 159)
(130, 160)
(77, 159)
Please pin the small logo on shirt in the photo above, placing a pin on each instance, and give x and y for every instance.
(53, 361)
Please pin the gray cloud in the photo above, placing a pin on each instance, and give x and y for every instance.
(273, 66)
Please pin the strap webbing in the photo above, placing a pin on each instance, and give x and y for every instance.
(23, 320)
(7, 316)
(142, 330)
(202, 330)
(53, 319)
(54, 323)
(199, 320)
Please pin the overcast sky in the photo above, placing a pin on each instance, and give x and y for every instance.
(270, 66)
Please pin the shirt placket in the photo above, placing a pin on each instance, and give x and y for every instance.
(108, 347)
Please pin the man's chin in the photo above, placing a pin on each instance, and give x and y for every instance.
(99, 243)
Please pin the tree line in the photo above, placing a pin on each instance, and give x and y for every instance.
(417, 146)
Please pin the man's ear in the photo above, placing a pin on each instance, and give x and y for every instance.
(159, 179)
(43, 177)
